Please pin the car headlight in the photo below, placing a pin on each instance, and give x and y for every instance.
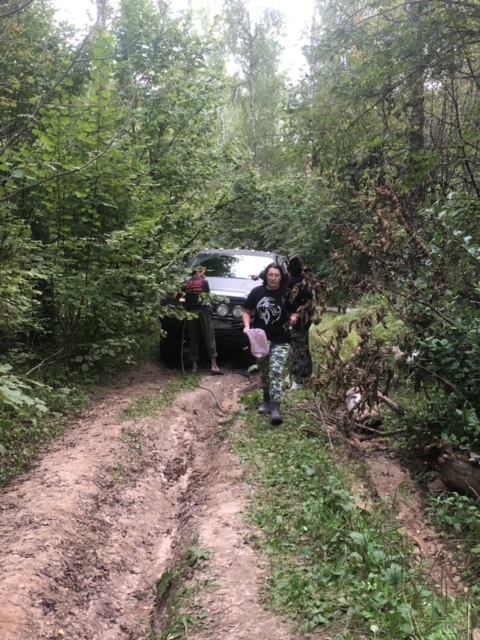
(237, 312)
(222, 310)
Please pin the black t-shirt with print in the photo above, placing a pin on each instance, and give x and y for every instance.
(270, 310)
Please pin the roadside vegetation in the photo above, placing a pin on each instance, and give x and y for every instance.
(336, 562)
(457, 517)
(32, 414)
(177, 611)
(127, 146)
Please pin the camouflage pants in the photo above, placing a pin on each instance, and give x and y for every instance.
(301, 359)
(271, 368)
(198, 328)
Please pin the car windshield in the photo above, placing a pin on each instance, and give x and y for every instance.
(231, 266)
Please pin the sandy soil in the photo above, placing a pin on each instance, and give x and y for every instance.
(102, 515)
(88, 531)
(392, 482)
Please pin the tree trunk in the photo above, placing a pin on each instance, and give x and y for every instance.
(102, 12)
(312, 63)
(251, 89)
(459, 472)
(416, 134)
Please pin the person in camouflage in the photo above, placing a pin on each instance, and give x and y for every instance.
(302, 285)
(268, 307)
(200, 325)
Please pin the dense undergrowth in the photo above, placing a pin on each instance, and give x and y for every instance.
(36, 407)
(427, 311)
(33, 413)
(457, 517)
(335, 563)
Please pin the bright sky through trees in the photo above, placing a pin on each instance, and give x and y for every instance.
(298, 16)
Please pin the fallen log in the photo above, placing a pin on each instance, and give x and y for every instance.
(460, 471)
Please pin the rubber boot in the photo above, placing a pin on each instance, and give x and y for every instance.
(275, 415)
(265, 406)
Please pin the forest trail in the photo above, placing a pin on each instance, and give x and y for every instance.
(108, 509)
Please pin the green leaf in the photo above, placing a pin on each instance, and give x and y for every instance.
(359, 538)
(163, 583)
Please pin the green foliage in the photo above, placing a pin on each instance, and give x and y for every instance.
(439, 309)
(115, 141)
(329, 327)
(12, 391)
(458, 518)
(283, 214)
(253, 115)
(458, 512)
(251, 400)
(163, 583)
(359, 350)
(335, 564)
(23, 409)
(109, 161)
(176, 589)
(21, 271)
(373, 124)
(194, 555)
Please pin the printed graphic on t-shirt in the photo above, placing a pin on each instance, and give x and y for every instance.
(194, 286)
(268, 310)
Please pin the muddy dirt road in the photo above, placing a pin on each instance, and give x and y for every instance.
(86, 534)
(105, 512)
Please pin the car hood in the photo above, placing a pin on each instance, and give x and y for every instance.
(232, 287)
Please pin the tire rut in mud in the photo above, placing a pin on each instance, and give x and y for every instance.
(87, 533)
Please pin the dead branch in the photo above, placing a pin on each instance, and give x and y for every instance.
(379, 434)
(332, 350)
(390, 403)
(322, 418)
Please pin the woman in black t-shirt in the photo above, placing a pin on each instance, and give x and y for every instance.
(268, 307)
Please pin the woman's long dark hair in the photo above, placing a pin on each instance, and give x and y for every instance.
(283, 279)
